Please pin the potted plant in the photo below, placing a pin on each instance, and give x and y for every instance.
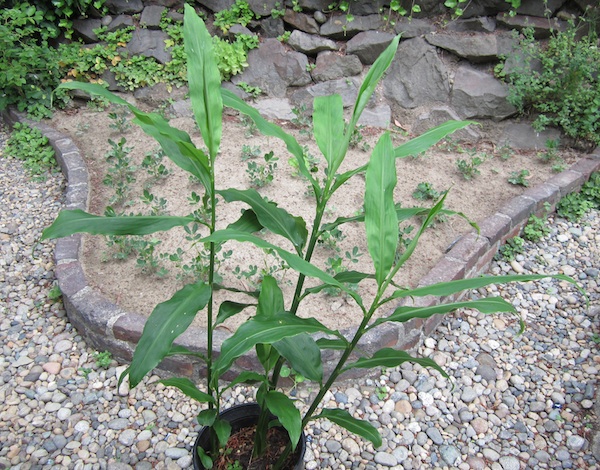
(277, 335)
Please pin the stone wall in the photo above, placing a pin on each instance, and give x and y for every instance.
(443, 68)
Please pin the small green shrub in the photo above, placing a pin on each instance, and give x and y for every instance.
(469, 168)
(519, 178)
(575, 205)
(425, 191)
(566, 90)
(103, 359)
(239, 13)
(536, 228)
(511, 248)
(29, 145)
(232, 56)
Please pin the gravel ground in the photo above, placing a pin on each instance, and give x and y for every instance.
(513, 402)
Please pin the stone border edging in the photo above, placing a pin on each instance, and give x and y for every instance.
(106, 326)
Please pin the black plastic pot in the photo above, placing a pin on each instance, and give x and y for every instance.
(242, 416)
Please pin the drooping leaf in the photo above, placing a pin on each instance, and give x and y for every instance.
(328, 124)
(270, 300)
(246, 377)
(207, 417)
(269, 129)
(487, 306)
(167, 321)
(303, 355)
(381, 223)
(248, 222)
(389, 357)
(356, 426)
(228, 309)
(204, 80)
(263, 331)
(345, 277)
(177, 349)
(188, 388)
(204, 458)
(294, 261)
(176, 143)
(222, 429)
(274, 218)
(288, 415)
(69, 222)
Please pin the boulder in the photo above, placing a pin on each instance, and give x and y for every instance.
(271, 27)
(477, 94)
(310, 44)
(412, 28)
(481, 24)
(301, 21)
(216, 5)
(150, 43)
(331, 66)
(540, 8)
(119, 7)
(542, 27)
(275, 108)
(368, 45)
(416, 76)
(273, 68)
(120, 22)
(84, 29)
(378, 116)
(314, 5)
(110, 79)
(521, 135)
(151, 16)
(338, 27)
(476, 48)
(263, 7)
(477, 8)
(346, 88)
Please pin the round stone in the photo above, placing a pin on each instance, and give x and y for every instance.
(385, 459)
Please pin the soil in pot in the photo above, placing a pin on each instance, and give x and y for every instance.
(239, 447)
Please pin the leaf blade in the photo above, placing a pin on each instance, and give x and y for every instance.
(356, 426)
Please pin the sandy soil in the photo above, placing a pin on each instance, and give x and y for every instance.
(124, 282)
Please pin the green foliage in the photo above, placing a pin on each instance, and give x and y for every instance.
(119, 119)
(32, 148)
(253, 91)
(273, 330)
(469, 168)
(103, 359)
(575, 205)
(425, 191)
(232, 56)
(519, 178)
(29, 64)
(536, 228)
(302, 119)
(250, 152)
(285, 36)
(54, 293)
(121, 173)
(239, 13)
(511, 249)
(565, 89)
(153, 165)
(262, 174)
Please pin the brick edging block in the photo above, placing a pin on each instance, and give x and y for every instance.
(106, 326)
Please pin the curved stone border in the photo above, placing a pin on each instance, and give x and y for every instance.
(108, 327)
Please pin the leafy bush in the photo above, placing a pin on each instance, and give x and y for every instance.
(565, 89)
(29, 145)
(575, 205)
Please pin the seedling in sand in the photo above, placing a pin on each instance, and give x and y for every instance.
(519, 178)
(469, 169)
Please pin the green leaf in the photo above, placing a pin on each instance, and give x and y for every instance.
(69, 222)
(270, 300)
(176, 143)
(303, 355)
(431, 137)
(228, 309)
(207, 417)
(204, 458)
(294, 261)
(370, 82)
(222, 429)
(246, 377)
(269, 129)
(328, 120)
(487, 306)
(177, 349)
(188, 388)
(263, 331)
(356, 426)
(335, 344)
(287, 414)
(204, 80)
(167, 321)
(389, 357)
(248, 222)
(381, 222)
(274, 218)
